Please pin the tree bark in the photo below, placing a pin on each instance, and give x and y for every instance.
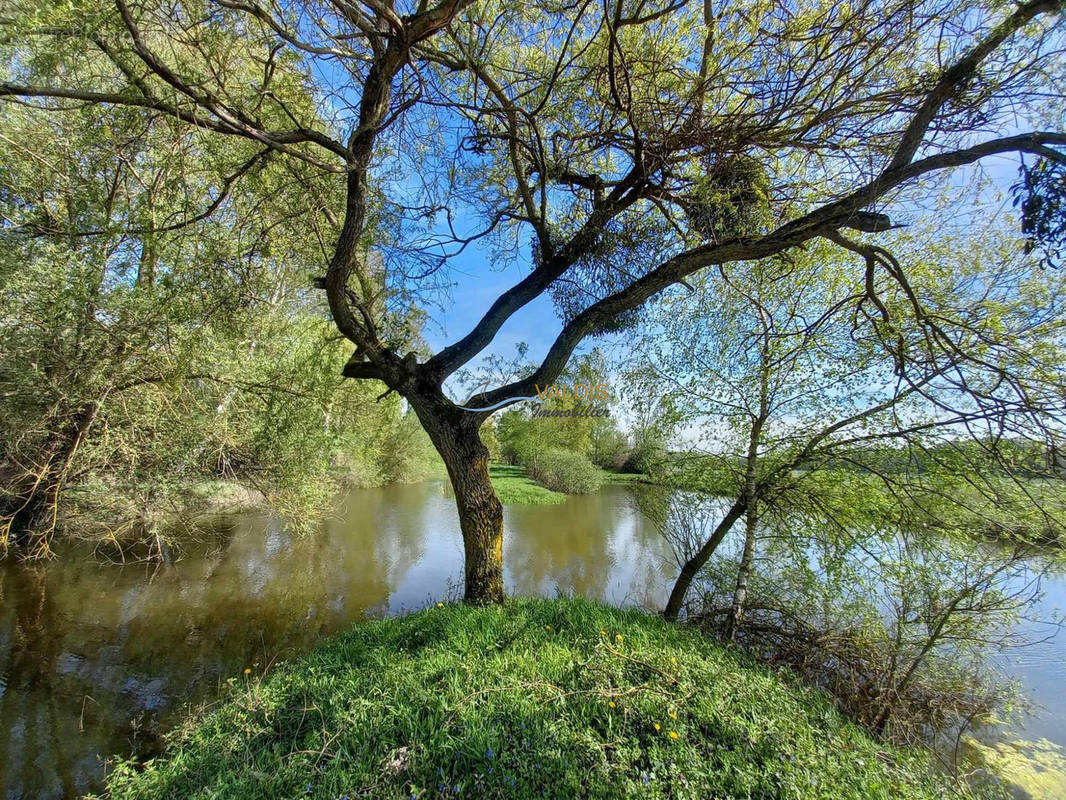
(740, 592)
(455, 435)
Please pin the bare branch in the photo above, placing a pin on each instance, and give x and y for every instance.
(956, 76)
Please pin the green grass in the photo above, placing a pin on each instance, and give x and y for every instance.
(514, 488)
(539, 698)
(624, 478)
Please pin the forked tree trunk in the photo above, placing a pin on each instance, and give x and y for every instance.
(455, 435)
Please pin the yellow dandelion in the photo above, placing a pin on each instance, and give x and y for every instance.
(673, 715)
(610, 703)
(657, 726)
(603, 633)
(673, 660)
(440, 605)
(673, 734)
(247, 671)
(618, 637)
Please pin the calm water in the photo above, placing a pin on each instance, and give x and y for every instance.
(98, 659)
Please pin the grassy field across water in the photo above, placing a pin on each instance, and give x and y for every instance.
(515, 488)
(535, 699)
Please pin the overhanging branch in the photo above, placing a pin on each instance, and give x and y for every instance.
(820, 222)
(959, 74)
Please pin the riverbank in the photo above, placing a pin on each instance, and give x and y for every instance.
(157, 520)
(136, 525)
(514, 487)
(123, 524)
(538, 698)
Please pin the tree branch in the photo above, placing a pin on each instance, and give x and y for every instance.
(276, 140)
(822, 221)
(959, 74)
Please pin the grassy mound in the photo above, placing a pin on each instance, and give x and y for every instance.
(557, 699)
(514, 488)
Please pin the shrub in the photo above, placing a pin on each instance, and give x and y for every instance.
(563, 471)
(648, 456)
(610, 449)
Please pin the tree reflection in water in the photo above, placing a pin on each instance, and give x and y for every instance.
(101, 659)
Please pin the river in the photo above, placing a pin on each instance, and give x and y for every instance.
(100, 659)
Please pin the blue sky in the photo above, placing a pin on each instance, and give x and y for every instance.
(473, 291)
(475, 285)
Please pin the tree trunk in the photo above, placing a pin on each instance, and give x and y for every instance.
(751, 518)
(751, 494)
(695, 564)
(455, 435)
(28, 517)
(740, 592)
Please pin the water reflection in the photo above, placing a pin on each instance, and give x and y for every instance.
(1040, 667)
(567, 556)
(100, 659)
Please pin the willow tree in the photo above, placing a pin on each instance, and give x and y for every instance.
(943, 396)
(612, 150)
